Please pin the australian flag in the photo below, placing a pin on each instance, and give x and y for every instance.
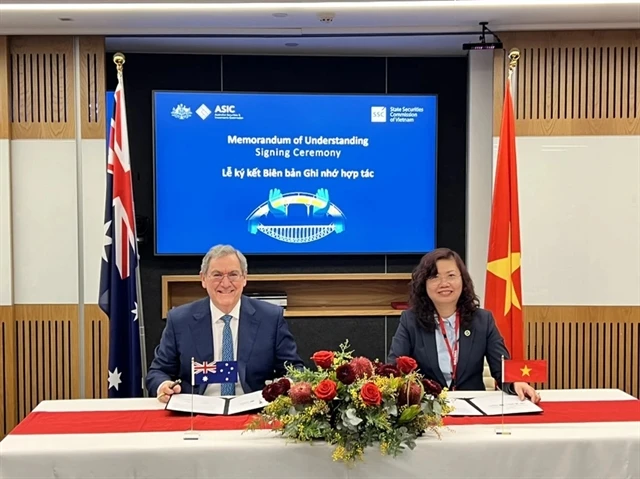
(212, 373)
(118, 276)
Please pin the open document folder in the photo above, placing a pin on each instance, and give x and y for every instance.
(492, 405)
(216, 405)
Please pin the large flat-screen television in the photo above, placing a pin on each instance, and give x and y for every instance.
(294, 173)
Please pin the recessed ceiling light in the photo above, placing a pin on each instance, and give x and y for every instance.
(65, 19)
(280, 15)
(291, 44)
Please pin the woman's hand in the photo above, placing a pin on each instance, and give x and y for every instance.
(523, 390)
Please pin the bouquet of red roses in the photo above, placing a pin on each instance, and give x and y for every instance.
(354, 403)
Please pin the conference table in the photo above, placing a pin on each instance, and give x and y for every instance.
(581, 434)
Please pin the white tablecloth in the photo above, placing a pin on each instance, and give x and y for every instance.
(578, 450)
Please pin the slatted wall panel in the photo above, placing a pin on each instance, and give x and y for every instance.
(46, 354)
(588, 86)
(586, 347)
(8, 415)
(5, 117)
(42, 87)
(96, 352)
(92, 87)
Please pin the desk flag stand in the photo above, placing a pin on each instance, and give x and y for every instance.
(192, 435)
(502, 431)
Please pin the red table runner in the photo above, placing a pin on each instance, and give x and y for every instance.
(95, 422)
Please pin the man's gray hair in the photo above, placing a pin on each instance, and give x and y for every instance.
(219, 251)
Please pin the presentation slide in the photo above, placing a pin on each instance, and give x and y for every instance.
(109, 111)
(294, 174)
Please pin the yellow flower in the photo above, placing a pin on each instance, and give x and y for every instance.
(339, 453)
(384, 448)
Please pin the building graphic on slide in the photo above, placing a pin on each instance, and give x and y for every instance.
(297, 217)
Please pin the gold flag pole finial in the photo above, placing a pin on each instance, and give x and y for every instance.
(514, 56)
(118, 59)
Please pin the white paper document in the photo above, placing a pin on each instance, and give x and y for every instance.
(462, 407)
(493, 405)
(216, 405)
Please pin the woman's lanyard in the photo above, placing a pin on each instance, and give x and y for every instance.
(453, 353)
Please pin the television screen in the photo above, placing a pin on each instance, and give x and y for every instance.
(109, 99)
(293, 173)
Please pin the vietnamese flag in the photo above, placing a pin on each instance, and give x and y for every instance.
(534, 371)
(503, 290)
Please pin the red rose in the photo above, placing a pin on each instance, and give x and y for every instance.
(346, 374)
(370, 394)
(326, 390)
(323, 359)
(300, 393)
(409, 394)
(406, 364)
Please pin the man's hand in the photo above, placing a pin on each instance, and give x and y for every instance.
(165, 390)
(525, 390)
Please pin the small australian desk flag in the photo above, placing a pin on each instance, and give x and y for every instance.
(213, 373)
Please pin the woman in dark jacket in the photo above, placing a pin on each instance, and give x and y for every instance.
(447, 332)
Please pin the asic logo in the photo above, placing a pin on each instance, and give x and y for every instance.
(378, 114)
(225, 109)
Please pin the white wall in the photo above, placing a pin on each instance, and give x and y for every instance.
(94, 165)
(479, 165)
(44, 210)
(6, 259)
(579, 219)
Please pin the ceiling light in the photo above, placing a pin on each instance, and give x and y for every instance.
(65, 19)
(279, 6)
(280, 15)
(291, 44)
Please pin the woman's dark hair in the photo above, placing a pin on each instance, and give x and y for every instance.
(423, 307)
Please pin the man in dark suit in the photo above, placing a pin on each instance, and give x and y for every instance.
(224, 326)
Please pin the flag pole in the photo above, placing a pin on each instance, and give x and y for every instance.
(502, 431)
(119, 59)
(514, 56)
(192, 435)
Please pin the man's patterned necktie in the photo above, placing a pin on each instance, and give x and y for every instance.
(228, 389)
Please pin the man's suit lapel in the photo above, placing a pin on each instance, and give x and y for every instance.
(465, 347)
(202, 334)
(247, 331)
(432, 356)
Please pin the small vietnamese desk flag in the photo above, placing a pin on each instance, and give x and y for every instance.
(503, 289)
(533, 371)
(214, 373)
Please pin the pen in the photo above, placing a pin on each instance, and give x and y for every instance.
(171, 386)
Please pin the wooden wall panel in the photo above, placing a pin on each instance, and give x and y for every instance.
(5, 121)
(92, 87)
(46, 356)
(96, 345)
(42, 87)
(8, 392)
(586, 346)
(572, 83)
